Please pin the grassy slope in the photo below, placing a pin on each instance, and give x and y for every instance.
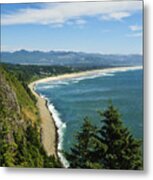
(21, 75)
(28, 108)
(20, 143)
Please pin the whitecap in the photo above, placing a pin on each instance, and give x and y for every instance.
(60, 130)
(93, 76)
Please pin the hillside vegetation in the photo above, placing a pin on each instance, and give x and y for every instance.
(28, 73)
(20, 142)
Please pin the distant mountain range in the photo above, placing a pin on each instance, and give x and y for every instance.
(72, 59)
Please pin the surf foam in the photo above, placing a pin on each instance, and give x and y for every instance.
(60, 130)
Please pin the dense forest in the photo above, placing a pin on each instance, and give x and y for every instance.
(110, 146)
(28, 73)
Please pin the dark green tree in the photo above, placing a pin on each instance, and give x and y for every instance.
(111, 146)
(123, 150)
(85, 153)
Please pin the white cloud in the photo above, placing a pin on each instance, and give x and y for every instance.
(137, 31)
(59, 13)
(116, 16)
(80, 22)
(8, 48)
(4, 48)
(135, 34)
(135, 28)
(59, 25)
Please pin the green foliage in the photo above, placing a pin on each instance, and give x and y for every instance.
(51, 162)
(26, 103)
(85, 151)
(28, 73)
(123, 149)
(20, 144)
(111, 146)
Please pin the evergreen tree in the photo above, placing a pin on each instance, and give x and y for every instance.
(111, 146)
(84, 153)
(123, 150)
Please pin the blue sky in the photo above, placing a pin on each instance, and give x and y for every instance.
(103, 27)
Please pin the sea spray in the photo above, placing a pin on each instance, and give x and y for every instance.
(61, 128)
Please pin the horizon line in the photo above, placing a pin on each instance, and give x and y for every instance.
(71, 51)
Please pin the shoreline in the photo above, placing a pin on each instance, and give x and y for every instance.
(56, 129)
(85, 73)
(49, 136)
(52, 122)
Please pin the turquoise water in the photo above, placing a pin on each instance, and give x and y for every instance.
(72, 100)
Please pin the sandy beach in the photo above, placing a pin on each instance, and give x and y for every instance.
(85, 73)
(49, 129)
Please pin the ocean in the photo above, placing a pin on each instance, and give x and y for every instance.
(71, 100)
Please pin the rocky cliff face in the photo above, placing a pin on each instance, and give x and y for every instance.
(10, 114)
(20, 144)
(14, 125)
(9, 96)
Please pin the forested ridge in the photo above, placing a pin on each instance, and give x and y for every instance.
(29, 73)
